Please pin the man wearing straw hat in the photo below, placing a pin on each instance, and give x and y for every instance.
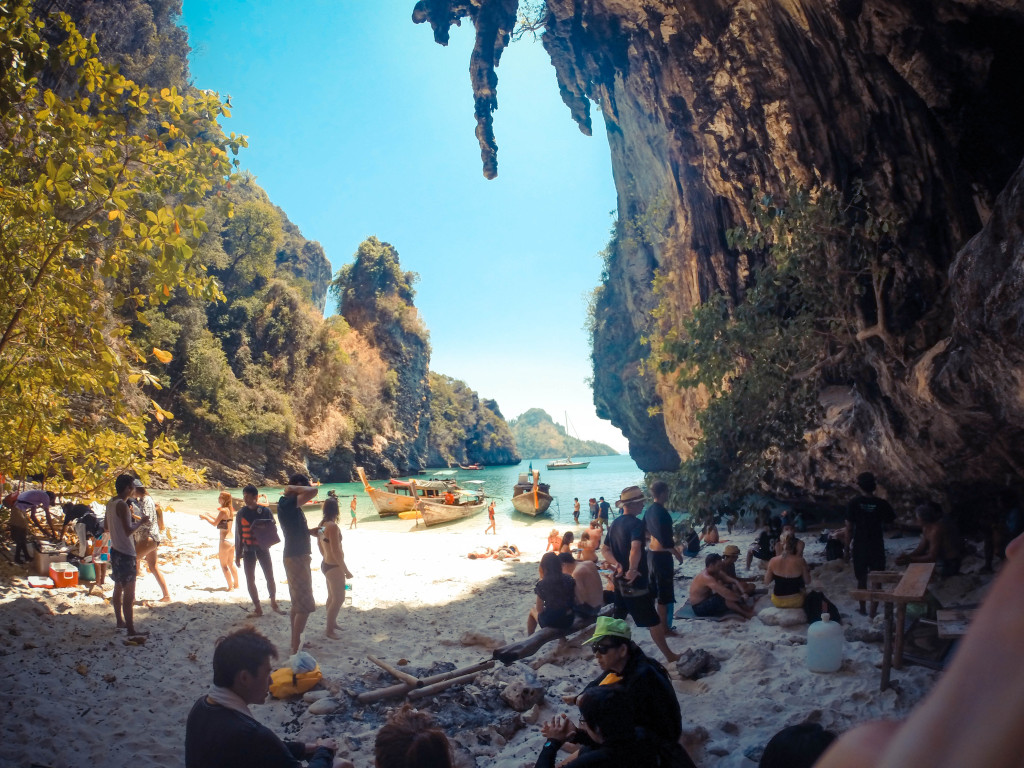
(624, 549)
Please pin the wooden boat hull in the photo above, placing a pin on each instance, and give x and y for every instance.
(386, 504)
(433, 513)
(524, 502)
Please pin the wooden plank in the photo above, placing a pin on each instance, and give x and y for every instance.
(884, 577)
(914, 583)
(887, 648)
(955, 622)
(398, 674)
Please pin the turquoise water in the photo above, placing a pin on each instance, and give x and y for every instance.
(606, 476)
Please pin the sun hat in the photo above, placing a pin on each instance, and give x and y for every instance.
(608, 627)
(731, 549)
(632, 493)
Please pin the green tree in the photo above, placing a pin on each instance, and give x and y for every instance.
(102, 189)
(759, 364)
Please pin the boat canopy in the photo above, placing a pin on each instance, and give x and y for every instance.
(473, 482)
(434, 485)
(445, 473)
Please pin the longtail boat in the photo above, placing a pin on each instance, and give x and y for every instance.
(401, 496)
(531, 497)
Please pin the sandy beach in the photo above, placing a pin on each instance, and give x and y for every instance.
(73, 693)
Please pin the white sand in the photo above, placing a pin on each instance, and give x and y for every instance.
(71, 693)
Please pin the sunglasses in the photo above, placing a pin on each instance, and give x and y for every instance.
(602, 648)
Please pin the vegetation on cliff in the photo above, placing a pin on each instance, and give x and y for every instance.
(465, 429)
(539, 437)
(105, 190)
(759, 366)
(162, 315)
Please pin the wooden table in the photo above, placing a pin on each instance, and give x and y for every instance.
(910, 587)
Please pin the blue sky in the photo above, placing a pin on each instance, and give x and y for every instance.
(359, 124)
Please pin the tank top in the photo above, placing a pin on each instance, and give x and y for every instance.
(119, 540)
(788, 585)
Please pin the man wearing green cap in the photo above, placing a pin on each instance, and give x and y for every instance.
(646, 685)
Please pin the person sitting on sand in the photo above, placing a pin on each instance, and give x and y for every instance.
(224, 523)
(566, 543)
(596, 532)
(709, 534)
(764, 547)
(939, 542)
(648, 690)
(556, 597)
(249, 551)
(710, 596)
(727, 571)
(607, 733)
(588, 548)
(789, 531)
(328, 537)
(554, 541)
(589, 591)
(222, 731)
(788, 574)
(691, 547)
(410, 739)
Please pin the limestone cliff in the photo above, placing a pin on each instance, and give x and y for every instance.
(706, 102)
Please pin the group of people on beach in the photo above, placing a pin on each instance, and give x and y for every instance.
(255, 532)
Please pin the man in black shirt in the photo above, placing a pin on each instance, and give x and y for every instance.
(221, 731)
(662, 548)
(297, 553)
(866, 518)
(624, 548)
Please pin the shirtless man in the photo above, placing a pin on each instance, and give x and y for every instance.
(589, 590)
(939, 543)
(727, 571)
(710, 596)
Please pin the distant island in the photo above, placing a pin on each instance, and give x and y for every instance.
(539, 437)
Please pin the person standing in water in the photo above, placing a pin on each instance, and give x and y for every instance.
(352, 512)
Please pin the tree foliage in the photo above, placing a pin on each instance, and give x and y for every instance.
(539, 437)
(759, 364)
(464, 428)
(103, 192)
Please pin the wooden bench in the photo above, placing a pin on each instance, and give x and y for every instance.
(910, 587)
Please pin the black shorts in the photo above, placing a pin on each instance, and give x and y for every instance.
(662, 577)
(557, 618)
(123, 567)
(641, 609)
(710, 606)
(863, 562)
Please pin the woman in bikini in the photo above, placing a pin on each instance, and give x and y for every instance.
(223, 522)
(328, 537)
(588, 547)
(789, 576)
(566, 543)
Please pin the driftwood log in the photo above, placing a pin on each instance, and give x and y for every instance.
(433, 684)
(525, 648)
(398, 674)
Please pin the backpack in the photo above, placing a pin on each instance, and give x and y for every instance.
(264, 531)
(815, 604)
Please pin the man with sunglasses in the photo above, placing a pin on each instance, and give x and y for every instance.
(624, 549)
(646, 686)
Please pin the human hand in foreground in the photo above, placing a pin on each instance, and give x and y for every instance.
(558, 728)
(331, 744)
(973, 714)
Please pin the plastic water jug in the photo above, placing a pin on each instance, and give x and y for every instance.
(824, 645)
